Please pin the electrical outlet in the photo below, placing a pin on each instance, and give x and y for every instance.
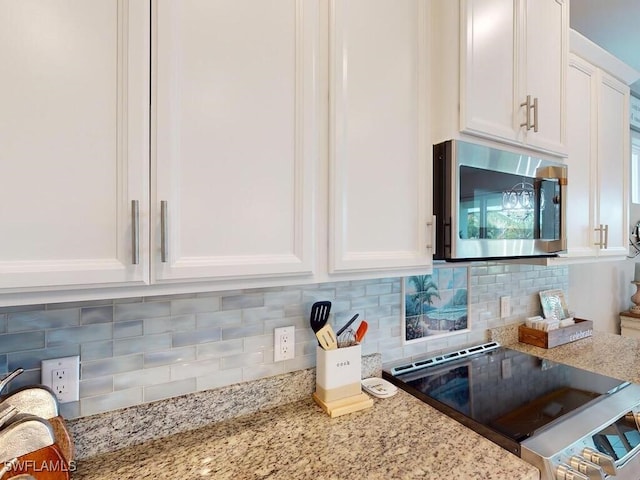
(284, 343)
(505, 307)
(62, 375)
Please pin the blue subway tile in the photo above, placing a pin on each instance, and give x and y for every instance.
(110, 366)
(168, 357)
(96, 350)
(167, 390)
(139, 311)
(85, 333)
(96, 315)
(183, 339)
(24, 321)
(17, 342)
(127, 329)
(147, 343)
(180, 323)
(111, 401)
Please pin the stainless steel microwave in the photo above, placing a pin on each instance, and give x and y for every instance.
(491, 203)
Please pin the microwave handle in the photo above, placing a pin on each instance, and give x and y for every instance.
(559, 174)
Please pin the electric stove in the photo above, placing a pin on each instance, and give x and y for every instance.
(566, 421)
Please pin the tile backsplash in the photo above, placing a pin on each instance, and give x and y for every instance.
(139, 350)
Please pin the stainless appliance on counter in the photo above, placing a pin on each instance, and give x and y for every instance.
(491, 203)
(568, 422)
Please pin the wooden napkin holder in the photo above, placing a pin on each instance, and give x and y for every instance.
(553, 338)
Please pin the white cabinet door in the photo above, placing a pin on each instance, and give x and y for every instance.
(543, 62)
(73, 142)
(598, 142)
(234, 137)
(582, 143)
(380, 144)
(613, 163)
(488, 76)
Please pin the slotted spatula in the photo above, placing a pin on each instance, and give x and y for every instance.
(320, 315)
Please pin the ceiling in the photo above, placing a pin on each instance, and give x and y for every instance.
(612, 24)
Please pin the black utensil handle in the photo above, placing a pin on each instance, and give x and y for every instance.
(353, 319)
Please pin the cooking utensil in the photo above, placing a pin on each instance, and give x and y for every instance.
(327, 338)
(320, 315)
(347, 325)
(347, 339)
(5, 381)
(362, 330)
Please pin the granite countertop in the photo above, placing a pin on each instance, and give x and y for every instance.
(605, 353)
(398, 438)
(272, 429)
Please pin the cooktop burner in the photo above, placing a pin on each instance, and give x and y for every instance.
(503, 394)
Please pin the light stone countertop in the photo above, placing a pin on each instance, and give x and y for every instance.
(398, 438)
(287, 436)
(604, 353)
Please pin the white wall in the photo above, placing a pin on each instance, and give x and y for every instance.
(600, 291)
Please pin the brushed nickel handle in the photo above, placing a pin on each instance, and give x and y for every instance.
(135, 232)
(535, 114)
(600, 243)
(527, 105)
(432, 224)
(163, 231)
(606, 236)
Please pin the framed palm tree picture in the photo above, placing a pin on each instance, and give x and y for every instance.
(435, 305)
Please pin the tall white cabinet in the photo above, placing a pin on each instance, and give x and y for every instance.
(598, 159)
(73, 143)
(380, 147)
(234, 138)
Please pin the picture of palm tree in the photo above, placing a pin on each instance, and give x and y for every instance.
(435, 304)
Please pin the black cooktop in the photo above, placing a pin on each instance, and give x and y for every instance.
(504, 394)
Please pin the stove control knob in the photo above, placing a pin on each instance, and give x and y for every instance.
(607, 462)
(593, 471)
(565, 472)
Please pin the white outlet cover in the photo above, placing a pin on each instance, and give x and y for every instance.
(68, 388)
(280, 336)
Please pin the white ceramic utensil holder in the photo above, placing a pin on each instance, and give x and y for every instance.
(338, 373)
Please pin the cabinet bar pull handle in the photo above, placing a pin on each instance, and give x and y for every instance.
(527, 105)
(432, 224)
(535, 114)
(135, 232)
(606, 236)
(601, 233)
(163, 231)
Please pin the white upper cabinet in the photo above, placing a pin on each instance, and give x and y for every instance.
(380, 145)
(510, 57)
(598, 158)
(234, 138)
(73, 143)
